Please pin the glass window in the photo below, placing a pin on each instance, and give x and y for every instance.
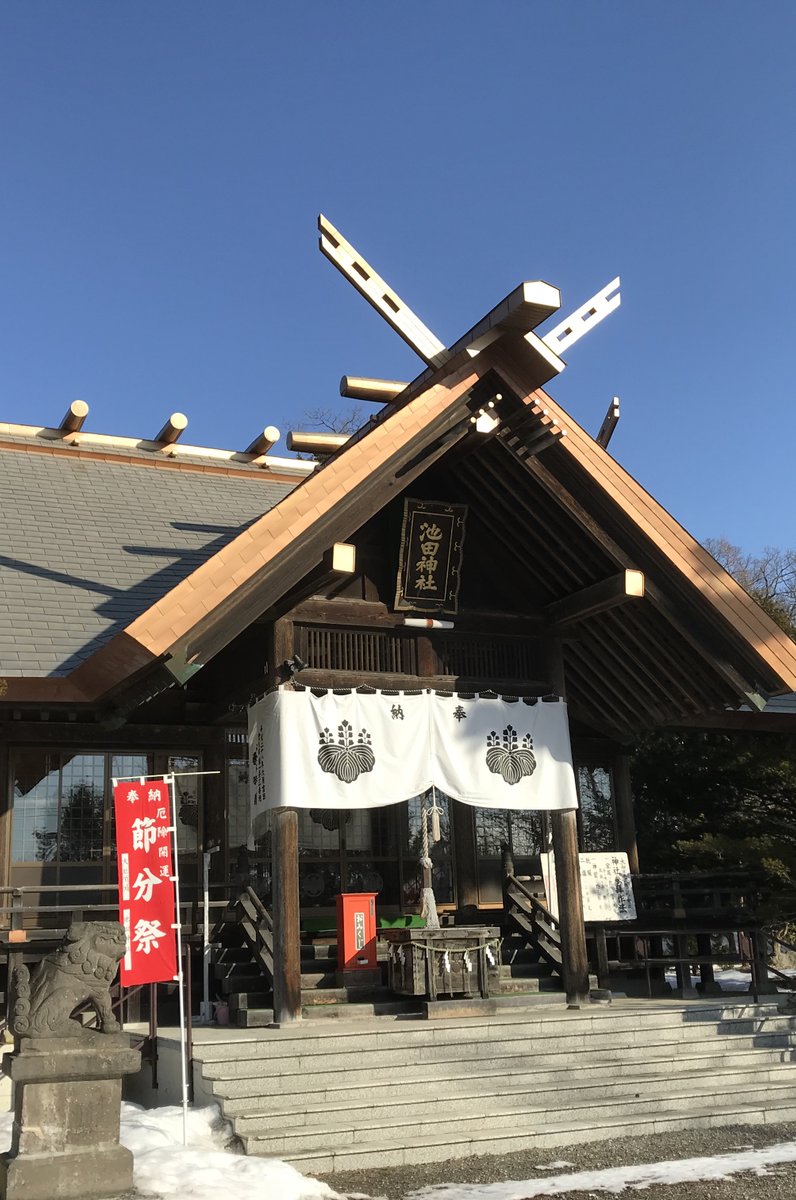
(122, 767)
(496, 829)
(370, 832)
(238, 804)
(491, 831)
(188, 797)
(82, 814)
(59, 807)
(63, 803)
(319, 831)
(37, 785)
(595, 789)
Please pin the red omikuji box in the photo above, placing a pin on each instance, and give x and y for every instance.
(356, 931)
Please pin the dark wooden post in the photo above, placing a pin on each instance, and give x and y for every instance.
(464, 852)
(564, 829)
(6, 792)
(625, 816)
(707, 985)
(603, 976)
(287, 948)
(574, 959)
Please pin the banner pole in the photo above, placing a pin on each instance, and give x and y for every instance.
(180, 970)
(206, 1008)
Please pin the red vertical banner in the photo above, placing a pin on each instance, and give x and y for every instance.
(146, 881)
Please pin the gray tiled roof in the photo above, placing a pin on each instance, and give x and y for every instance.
(87, 545)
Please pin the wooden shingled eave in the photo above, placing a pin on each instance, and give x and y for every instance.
(744, 619)
(263, 561)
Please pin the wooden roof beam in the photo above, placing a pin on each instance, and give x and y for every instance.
(680, 621)
(380, 391)
(74, 416)
(573, 327)
(610, 422)
(378, 293)
(618, 589)
(174, 428)
(517, 314)
(264, 441)
(316, 443)
(531, 302)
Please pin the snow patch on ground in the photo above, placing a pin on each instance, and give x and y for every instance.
(617, 1179)
(205, 1169)
(732, 979)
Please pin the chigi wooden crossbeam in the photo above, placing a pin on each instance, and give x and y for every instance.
(518, 314)
(378, 292)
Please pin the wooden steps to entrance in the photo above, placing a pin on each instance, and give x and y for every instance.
(243, 971)
(341, 1096)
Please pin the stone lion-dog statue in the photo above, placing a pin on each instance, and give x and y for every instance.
(79, 972)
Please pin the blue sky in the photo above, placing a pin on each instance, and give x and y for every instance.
(164, 162)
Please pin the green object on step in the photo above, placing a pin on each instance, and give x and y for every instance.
(403, 922)
(328, 924)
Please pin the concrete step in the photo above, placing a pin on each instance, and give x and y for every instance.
(255, 1116)
(523, 984)
(315, 1075)
(417, 1149)
(239, 1000)
(318, 979)
(319, 953)
(244, 1095)
(248, 1080)
(323, 1005)
(362, 1093)
(242, 981)
(342, 995)
(522, 970)
(286, 1143)
(252, 1018)
(361, 1010)
(419, 1041)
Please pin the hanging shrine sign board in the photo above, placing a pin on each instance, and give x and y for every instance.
(146, 881)
(430, 559)
(367, 750)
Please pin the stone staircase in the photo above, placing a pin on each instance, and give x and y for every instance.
(335, 1096)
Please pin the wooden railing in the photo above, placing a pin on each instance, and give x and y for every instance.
(254, 922)
(699, 895)
(533, 920)
(41, 920)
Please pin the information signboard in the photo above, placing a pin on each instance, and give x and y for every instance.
(606, 883)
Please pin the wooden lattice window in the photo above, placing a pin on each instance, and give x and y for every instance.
(383, 652)
(486, 658)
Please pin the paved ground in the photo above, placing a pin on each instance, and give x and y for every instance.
(396, 1183)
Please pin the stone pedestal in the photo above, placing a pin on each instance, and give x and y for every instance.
(66, 1119)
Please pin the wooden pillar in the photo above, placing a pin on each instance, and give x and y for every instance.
(564, 829)
(6, 814)
(625, 815)
(287, 949)
(464, 854)
(574, 959)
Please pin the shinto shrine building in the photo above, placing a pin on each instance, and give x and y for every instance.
(151, 590)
